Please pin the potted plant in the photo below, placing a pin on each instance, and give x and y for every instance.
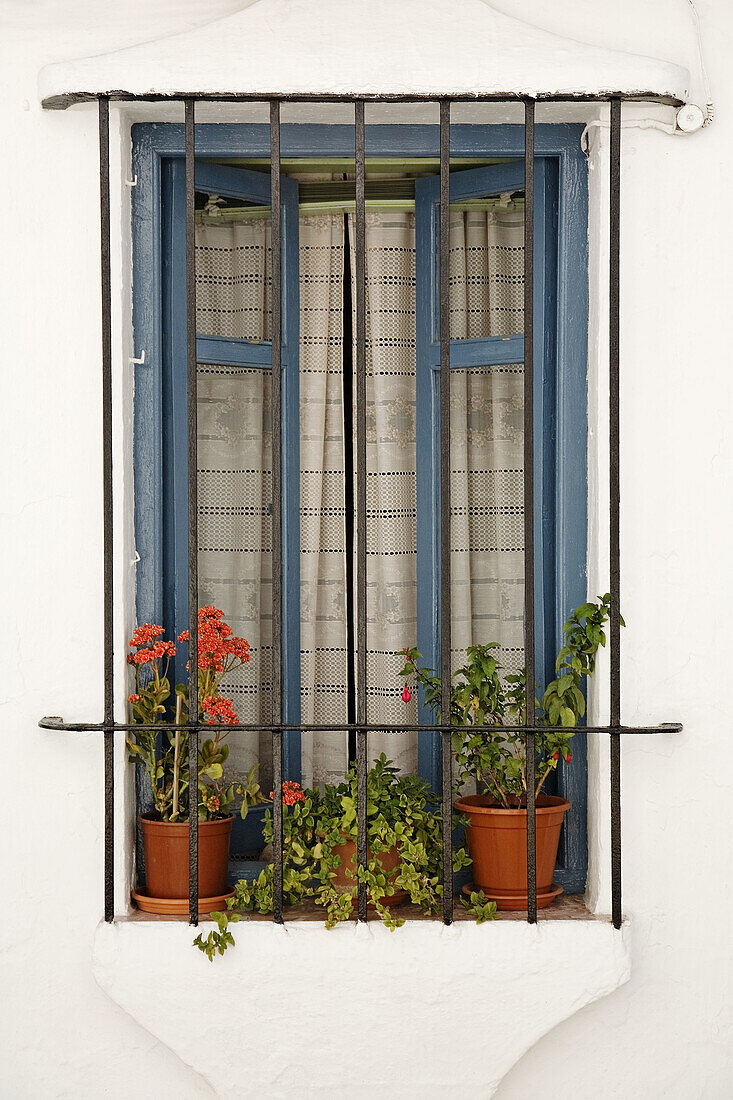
(482, 696)
(165, 756)
(404, 854)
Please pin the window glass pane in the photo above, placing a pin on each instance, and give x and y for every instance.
(486, 271)
(487, 513)
(323, 638)
(391, 520)
(234, 272)
(235, 541)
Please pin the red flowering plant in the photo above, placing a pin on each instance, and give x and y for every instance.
(483, 695)
(165, 754)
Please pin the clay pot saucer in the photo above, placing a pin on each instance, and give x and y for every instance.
(174, 907)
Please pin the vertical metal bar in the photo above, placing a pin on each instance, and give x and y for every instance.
(193, 572)
(108, 568)
(277, 736)
(614, 481)
(529, 632)
(445, 509)
(361, 570)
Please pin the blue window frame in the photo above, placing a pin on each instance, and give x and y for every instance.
(254, 187)
(560, 325)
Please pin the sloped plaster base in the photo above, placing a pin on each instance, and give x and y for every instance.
(297, 1010)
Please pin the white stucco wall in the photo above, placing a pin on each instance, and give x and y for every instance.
(668, 1032)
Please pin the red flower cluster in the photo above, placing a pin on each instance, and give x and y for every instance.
(219, 711)
(145, 634)
(141, 657)
(291, 793)
(148, 649)
(216, 642)
(134, 698)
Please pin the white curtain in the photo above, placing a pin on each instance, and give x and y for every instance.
(233, 278)
(487, 437)
(324, 755)
(391, 475)
(233, 283)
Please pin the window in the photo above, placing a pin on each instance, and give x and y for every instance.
(403, 357)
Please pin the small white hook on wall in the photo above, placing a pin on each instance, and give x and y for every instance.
(132, 182)
(141, 359)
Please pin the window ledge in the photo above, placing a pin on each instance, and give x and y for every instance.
(296, 1002)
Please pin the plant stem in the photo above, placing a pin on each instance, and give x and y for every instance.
(176, 759)
(543, 777)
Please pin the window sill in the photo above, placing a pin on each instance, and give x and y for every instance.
(296, 1002)
(566, 907)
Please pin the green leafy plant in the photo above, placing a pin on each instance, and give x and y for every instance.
(317, 826)
(483, 695)
(251, 792)
(164, 753)
(479, 906)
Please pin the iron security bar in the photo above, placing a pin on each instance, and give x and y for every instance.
(276, 510)
(361, 726)
(61, 102)
(361, 570)
(193, 560)
(529, 637)
(54, 723)
(614, 505)
(107, 508)
(445, 514)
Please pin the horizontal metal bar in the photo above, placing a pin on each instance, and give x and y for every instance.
(372, 727)
(61, 102)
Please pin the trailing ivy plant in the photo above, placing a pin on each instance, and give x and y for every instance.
(401, 815)
(483, 695)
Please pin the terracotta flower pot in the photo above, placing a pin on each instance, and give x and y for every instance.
(389, 860)
(166, 861)
(497, 844)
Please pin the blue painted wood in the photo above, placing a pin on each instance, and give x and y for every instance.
(234, 353)
(146, 319)
(174, 416)
(153, 143)
(174, 411)
(571, 488)
(427, 461)
(221, 179)
(483, 182)
(291, 475)
(315, 140)
(472, 353)
(560, 323)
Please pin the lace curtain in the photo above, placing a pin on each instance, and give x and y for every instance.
(233, 279)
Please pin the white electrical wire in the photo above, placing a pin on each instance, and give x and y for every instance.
(653, 123)
(709, 106)
(638, 124)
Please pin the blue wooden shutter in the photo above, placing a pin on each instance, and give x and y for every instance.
(481, 183)
(236, 183)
